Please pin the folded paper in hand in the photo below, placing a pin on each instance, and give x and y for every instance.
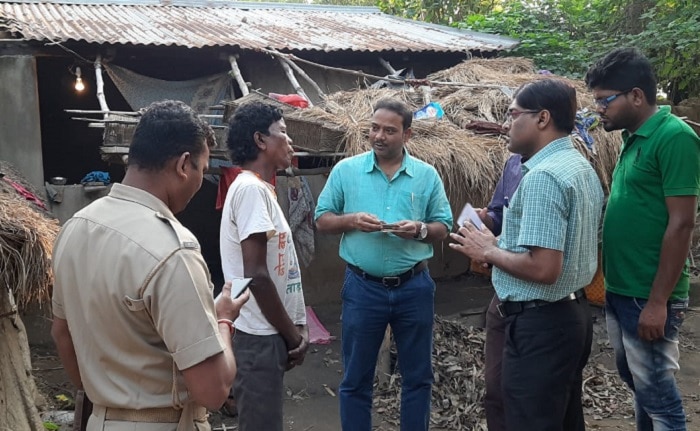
(469, 214)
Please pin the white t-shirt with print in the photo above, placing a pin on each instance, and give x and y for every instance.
(251, 207)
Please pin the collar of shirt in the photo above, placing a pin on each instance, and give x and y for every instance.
(549, 149)
(141, 197)
(649, 126)
(407, 165)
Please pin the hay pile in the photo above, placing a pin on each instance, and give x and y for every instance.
(469, 163)
(458, 392)
(27, 235)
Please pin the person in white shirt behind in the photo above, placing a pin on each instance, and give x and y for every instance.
(256, 242)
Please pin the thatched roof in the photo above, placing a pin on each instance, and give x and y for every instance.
(469, 163)
(27, 234)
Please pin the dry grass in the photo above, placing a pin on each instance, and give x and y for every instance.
(26, 241)
(459, 389)
(488, 71)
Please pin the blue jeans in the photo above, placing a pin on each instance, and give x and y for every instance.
(648, 368)
(368, 308)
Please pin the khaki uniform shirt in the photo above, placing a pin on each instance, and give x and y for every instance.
(136, 292)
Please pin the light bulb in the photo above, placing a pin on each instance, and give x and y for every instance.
(79, 86)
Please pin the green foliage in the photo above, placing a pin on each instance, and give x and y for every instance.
(558, 35)
(448, 12)
(566, 36)
(670, 39)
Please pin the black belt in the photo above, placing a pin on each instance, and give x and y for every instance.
(392, 281)
(509, 308)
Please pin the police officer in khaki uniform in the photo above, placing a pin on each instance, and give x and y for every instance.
(135, 323)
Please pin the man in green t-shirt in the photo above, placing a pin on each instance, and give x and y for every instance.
(647, 231)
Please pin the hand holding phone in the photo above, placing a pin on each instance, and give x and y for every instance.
(390, 227)
(232, 297)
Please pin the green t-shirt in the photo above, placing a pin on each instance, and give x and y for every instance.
(659, 160)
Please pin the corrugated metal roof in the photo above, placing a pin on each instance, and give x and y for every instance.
(246, 25)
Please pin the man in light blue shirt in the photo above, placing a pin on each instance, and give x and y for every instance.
(546, 255)
(390, 208)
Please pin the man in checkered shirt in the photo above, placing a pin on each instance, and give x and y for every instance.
(546, 254)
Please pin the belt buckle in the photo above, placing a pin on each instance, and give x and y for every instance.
(387, 281)
(501, 310)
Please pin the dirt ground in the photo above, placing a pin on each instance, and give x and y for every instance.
(311, 402)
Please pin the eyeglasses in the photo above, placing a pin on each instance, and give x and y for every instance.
(603, 102)
(513, 114)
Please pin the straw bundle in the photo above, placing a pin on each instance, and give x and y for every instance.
(26, 240)
(464, 105)
(487, 71)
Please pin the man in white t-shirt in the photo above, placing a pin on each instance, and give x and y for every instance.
(256, 242)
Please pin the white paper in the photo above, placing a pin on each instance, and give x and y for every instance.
(469, 214)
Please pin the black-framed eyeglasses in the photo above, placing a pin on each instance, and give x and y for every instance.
(603, 102)
(513, 114)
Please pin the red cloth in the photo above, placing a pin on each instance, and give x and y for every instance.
(26, 194)
(291, 99)
(228, 175)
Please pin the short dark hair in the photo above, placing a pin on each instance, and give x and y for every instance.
(554, 95)
(165, 131)
(623, 69)
(396, 107)
(249, 118)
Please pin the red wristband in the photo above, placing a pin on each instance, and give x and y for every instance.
(229, 323)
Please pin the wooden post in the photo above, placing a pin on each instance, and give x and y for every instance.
(290, 75)
(383, 370)
(237, 75)
(425, 91)
(100, 85)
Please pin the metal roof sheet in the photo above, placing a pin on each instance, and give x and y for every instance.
(194, 24)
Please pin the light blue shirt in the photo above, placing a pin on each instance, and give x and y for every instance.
(415, 192)
(557, 206)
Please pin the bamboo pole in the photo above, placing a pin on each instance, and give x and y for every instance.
(99, 111)
(237, 75)
(126, 113)
(100, 84)
(301, 73)
(290, 75)
(387, 66)
(113, 121)
(413, 82)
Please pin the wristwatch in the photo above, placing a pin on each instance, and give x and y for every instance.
(422, 232)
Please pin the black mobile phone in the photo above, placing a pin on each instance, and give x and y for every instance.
(390, 227)
(238, 286)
